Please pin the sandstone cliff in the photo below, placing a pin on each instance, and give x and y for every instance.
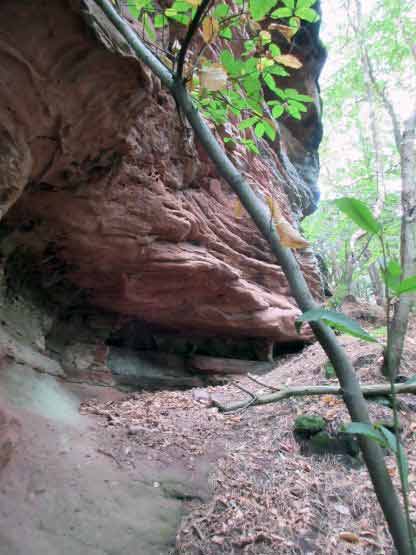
(111, 218)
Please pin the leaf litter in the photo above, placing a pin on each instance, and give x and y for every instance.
(266, 495)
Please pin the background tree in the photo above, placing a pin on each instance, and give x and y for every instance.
(371, 97)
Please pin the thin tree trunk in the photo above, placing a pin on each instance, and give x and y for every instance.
(377, 283)
(399, 324)
(350, 385)
(349, 270)
(406, 147)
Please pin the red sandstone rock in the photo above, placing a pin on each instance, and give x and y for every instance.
(137, 214)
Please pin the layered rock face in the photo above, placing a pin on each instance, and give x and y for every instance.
(104, 191)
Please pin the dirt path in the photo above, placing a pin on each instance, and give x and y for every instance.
(63, 492)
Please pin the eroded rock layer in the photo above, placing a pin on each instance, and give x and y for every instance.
(103, 187)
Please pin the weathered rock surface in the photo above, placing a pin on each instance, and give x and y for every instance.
(9, 436)
(100, 186)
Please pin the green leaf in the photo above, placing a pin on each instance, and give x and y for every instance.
(230, 63)
(294, 95)
(406, 286)
(298, 105)
(251, 145)
(289, 3)
(359, 212)
(270, 82)
(392, 274)
(180, 18)
(367, 430)
(148, 25)
(269, 130)
(226, 33)
(180, 6)
(281, 13)
(335, 320)
(221, 11)
(307, 14)
(160, 21)
(277, 110)
(259, 8)
(248, 122)
(135, 12)
(259, 129)
(274, 50)
(252, 85)
(293, 111)
(305, 3)
(277, 69)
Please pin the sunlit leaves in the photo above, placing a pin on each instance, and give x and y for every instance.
(307, 14)
(221, 11)
(301, 9)
(281, 13)
(259, 8)
(235, 85)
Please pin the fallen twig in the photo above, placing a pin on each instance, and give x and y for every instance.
(304, 390)
(271, 387)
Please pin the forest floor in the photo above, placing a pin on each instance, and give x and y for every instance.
(93, 471)
(267, 492)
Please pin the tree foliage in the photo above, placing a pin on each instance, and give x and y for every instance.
(247, 61)
(387, 33)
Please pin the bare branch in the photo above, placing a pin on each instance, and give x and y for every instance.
(192, 29)
(306, 390)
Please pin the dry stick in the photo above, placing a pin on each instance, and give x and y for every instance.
(255, 380)
(304, 390)
(241, 388)
(353, 397)
(193, 27)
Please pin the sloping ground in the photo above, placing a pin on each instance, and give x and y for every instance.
(269, 493)
(61, 491)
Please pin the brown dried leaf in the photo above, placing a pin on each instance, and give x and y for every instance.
(349, 537)
(213, 77)
(210, 28)
(238, 209)
(289, 237)
(285, 30)
(289, 60)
